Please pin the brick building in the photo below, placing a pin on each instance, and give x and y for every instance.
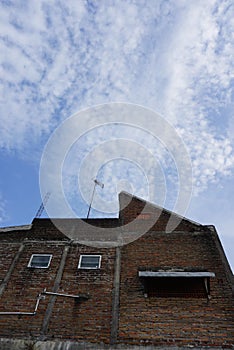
(83, 287)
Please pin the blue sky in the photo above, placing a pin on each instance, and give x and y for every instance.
(174, 57)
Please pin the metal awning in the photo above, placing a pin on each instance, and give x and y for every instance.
(203, 274)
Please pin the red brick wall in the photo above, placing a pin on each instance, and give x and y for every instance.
(159, 321)
(179, 321)
(22, 290)
(142, 215)
(88, 320)
(7, 253)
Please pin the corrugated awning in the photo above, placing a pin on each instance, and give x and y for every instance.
(176, 274)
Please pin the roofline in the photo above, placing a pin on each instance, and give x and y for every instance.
(83, 219)
(16, 228)
(224, 259)
(163, 209)
(28, 227)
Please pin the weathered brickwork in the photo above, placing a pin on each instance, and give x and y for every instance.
(180, 321)
(174, 320)
(22, 290)
(116, 309)
(91, 317)
(7, 253)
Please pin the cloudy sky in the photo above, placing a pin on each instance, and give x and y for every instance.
(172, 57)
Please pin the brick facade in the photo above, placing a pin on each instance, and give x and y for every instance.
(116, 309)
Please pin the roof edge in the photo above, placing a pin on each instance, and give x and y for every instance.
(16, 228)
(162, 209)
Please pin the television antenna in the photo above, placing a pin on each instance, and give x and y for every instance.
(96, 182)
(42, 206)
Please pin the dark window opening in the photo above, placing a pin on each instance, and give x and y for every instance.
(167, 287)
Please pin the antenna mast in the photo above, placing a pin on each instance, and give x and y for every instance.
(42, 206)
(96, 182)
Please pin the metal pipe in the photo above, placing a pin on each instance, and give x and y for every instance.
(37, 303)
(64, 295)
(20, 313)
(39, 297)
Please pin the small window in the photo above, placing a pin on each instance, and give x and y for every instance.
(40, 261)
(89, 262)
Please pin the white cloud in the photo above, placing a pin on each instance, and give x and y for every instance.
(175, 57)
(200, 71)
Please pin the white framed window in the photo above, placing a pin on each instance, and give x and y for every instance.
(40, 261)
(90, 262)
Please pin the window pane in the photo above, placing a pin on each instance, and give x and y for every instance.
(88, 261)
(40, 261)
